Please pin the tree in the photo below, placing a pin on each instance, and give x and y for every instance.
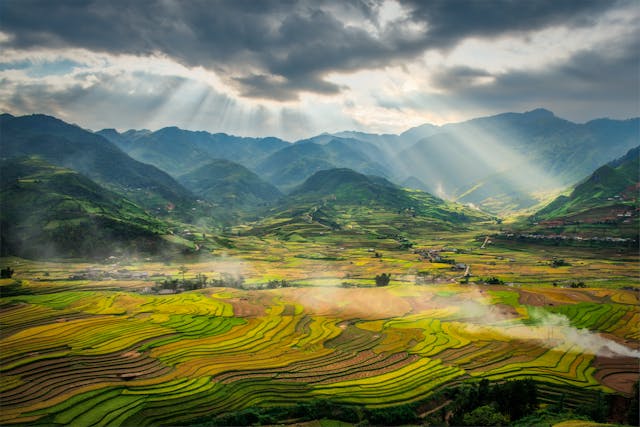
(557, 262)
(485, 415)
(383, 279)
(6, 273)
(182, 269)
(632, 415)
(484, 389)
(201, 280)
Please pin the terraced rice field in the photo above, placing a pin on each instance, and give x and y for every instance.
(98, 357)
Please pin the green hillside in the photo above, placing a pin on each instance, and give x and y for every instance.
(348, 186)
(610, 185)
(609, 195)
(342, 200)
(49, 211)
(170, 149)
(291, 165)
(178, 151)
(232, 188)
(72, 147)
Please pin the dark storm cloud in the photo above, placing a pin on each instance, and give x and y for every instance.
(277, 49)
(452, 20)
(268, 87)
(603, 78)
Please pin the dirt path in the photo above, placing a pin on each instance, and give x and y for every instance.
(437, 408)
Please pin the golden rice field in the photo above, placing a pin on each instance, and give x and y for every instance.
(110, 353)
(122, 358)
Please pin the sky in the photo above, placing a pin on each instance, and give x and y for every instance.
(294, 69)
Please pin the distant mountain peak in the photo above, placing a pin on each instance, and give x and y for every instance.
(170, 129)
(540, 112)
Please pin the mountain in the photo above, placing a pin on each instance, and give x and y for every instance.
(92, 155)
(608, 195)
(49, 211)
(391, 141)
(170, 149)
(230, 186)
(124, 139)
(500, 162)
(387, 146)
(419, 132)
(244, 150)
(348, 186)
(178, 151)
(344, 201)
(290, 166)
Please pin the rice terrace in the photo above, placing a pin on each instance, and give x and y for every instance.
(96, 344)
(314, 214)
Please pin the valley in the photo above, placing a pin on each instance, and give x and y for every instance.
(187, 278)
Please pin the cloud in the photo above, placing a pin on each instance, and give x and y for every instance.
(451, 21)
(279, 49)
(607, 74)
(283, 89)
(153, 94)
(459, 77)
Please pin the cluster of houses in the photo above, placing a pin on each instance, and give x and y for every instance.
(614, 216)
(433, 255)
(559, 237)
(98, 274)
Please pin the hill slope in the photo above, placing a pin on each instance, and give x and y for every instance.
(291, 165)
(350, 203)
(70, 146)
(610, 194)
(179, 151)
(49, 211)
(170, 149)
(235, 190)
(350, 187)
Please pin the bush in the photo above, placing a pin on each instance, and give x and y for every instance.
(383, 279)
(557, 262)
(395, 415)
(485, 415)
(6, 273)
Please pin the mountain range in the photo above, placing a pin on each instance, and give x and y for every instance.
(140, 183)
(500, 163)
(179, 151)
